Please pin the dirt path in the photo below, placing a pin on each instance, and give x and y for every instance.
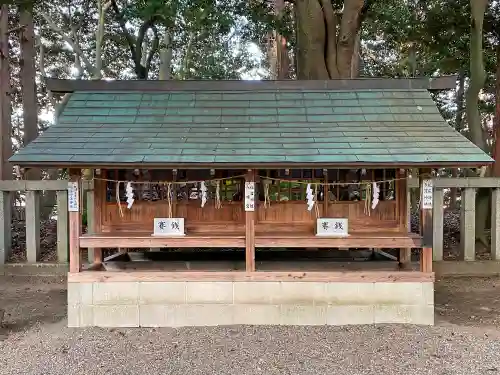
(465, 340)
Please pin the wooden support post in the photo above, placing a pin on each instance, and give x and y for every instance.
(62, 226)
(495, 224)
(250, 228)
(90, 203)
(33, 226)
(402, 196)
(5, 226)
(437, 224)
(425, 226)
(74, 226)
(93, 219)
(468, 224)
(326, 190)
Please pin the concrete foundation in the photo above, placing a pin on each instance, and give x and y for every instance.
(211, 303)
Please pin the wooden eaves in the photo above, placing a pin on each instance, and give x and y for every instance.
(435, 83)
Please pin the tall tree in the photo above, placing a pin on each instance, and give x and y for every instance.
(27, 64)
(326, 37)
(5, 98)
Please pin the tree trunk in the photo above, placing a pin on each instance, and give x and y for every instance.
(322, 53)
(166, 56)
(5, 111)
(477, 73)
(30, 111)
(477, 80)
(496, 129)
(459, 125)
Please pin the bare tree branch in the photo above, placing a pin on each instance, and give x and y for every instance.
(75, 46)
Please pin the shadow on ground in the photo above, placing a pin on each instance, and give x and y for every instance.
(31, 300)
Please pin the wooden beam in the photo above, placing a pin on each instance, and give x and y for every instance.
(74, 228)
(495, 223)
(436, 83)
(437, 224)
(27, 185)
(245, 165)
(33, 226)
(148, 241)
(467, 182)
(425, 227)
(250, 228)
(5, 226)
(468, 224)
(62, 226)
(159, 276)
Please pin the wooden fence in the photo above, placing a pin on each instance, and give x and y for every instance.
(33, 190)
(469, 188)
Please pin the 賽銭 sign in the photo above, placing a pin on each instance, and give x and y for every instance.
(169, 226)
(332, 227)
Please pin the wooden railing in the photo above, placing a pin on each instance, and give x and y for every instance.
(469, 187)
(33, 191)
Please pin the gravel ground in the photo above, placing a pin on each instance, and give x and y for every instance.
(466, 340)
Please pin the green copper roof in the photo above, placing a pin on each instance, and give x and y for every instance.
(279, 127)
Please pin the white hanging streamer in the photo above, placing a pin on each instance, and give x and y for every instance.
(376, 192)
(309, 197)
(203, 188)
(129, 193)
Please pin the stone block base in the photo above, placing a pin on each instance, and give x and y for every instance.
(211, 303)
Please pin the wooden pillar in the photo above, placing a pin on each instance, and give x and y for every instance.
(33, 226)
(437, 224)
(403, 204)
(326, 189)
(5, 226)
(468, 224)
(425, 226)
(62, 226)
(495, 223)
(94, 204)
(74, 223)
(250, 224)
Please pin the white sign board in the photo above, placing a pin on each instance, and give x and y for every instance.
(169, 227)
(73, 201)
(426, 202)
(332, 227)
(249, 196)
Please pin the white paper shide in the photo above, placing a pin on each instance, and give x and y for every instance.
(309, 197)
(129, 193)
(334, 227)
(249, 196)
(169, 227)
(73, 201)
(426, 202)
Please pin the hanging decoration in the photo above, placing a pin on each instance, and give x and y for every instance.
(368, 198)
(316, 207)
(169, 199)
(267, 200)
(118, 201)
(129, 193)
(217, 195)
(309, 197)
(203, 189)
(376, 193)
